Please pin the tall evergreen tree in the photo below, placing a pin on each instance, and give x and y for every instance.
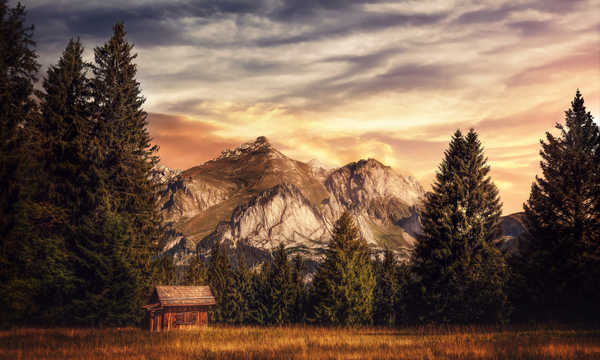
(461, 272)
(123, 194)
(196, 273)
(561, 247)
(260, 304)
(280, 288)
(63, 129)
(244, 287)
(344, 282)
(125, 145)
(386, 293)
(404, 279)
(299, 296)
(21, 245)
(222, 283)
(167, 274)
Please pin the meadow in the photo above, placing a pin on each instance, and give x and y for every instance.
(299, 342)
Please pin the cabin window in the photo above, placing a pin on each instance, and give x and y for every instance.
(191, 317)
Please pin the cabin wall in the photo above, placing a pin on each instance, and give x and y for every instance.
(178, 317)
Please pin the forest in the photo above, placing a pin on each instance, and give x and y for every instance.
(80, 228)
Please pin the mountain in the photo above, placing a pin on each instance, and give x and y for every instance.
(512, 228)
(254, 197)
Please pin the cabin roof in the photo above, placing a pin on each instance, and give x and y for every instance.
(184, 295)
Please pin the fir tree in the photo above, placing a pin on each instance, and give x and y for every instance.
(166, 272)
(386, 293)
(124, 159)
(63, 127)
(280, 289)
(404, 280)
(222, 283)
(22, 266)
(561, 248)
(246, 294)
(299, 296)
(196, 273)
(344, 282)
(461, 273)
(261, 306)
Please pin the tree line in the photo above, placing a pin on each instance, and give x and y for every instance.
(458, 272)
(80, 227)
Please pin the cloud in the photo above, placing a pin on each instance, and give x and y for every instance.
(585, 59)
(184, 142)
(367, 22)
(341, 80)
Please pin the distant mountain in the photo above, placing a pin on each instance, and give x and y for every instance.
(254, 197)
(512, 228)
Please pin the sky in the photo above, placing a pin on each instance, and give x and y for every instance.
(342, 80)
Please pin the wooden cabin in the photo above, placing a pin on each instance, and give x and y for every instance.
(173, 307)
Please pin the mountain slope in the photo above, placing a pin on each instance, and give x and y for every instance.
(254, 197)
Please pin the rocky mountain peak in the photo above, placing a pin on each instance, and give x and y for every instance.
(254, 197)
(260, 145)
(164, 175)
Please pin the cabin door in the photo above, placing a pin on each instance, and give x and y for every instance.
(202, 318)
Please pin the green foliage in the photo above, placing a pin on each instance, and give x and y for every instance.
(279, 288)
(560, 256)
(299, 296)
(196, 273)
(23, 275)
(222, 283)
(245, 291)
(344, 282)
(124, 197)
(387, 291)
(460, 273)
(80, 224)
(166, 271)
(108, 282)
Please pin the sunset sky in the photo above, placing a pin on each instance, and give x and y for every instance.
(342, 80)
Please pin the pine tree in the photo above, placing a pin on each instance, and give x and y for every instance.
(386, 291)
(461, 273)
(196, 273)
(299, 296)
(222, 283)
(245, 289)
(404, 280)
(167, 274)
(21, 277)
(344, 283)
(260, 305)
(280, 289)
(63, 129)
(561, 248)
(121, 166)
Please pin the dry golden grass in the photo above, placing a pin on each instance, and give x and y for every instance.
(302, 343)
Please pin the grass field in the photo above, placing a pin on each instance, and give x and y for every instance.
(303, 343)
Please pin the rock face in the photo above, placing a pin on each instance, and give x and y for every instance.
(253, 198)
(512, 228)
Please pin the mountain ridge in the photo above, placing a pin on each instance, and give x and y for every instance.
(253, 197)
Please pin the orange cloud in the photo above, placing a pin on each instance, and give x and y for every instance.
(184, 142)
